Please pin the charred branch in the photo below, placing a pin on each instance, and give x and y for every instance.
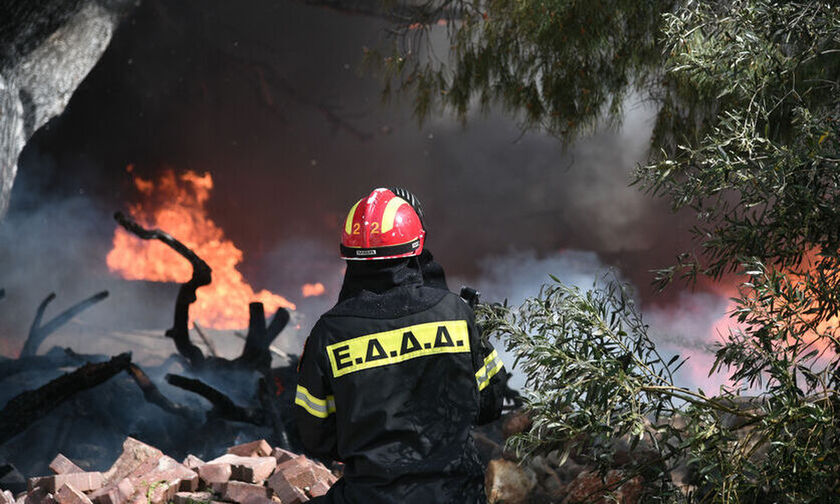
(201, 276)
(38, 333)
(207, 341)
(223, 406)
(54, 359)
(271, 348)
(28, 407)
(278, 323)
(153, 395)
(252, 353)
(256, 352)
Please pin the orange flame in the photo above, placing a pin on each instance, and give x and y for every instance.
(815, 338)
(176, 205)
(310, 290)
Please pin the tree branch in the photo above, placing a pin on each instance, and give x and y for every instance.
(38, 333)
(201, 276)
(30, 406)
(223, 406)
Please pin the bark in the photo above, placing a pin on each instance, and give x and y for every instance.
(47, 47)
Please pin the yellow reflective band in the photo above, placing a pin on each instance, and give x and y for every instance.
(490, 358)
(487, 360)
(399, 345)
(492, 365)
(315, 406)
(348, 224)
(390, 213)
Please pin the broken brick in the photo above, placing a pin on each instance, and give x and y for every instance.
(67, 494)
(214, 473)
(248, 469)
(134, 455)
(168, 470)
(192, 498)
(303, 477)
(156, 492)
(193, 462)
(238, 491)
(282, 455)
(319, 489)
(115, 493)
(63, 465)
(257, 499)
(285, 491)
(85, 481)
(259, 448)
(507, 483)
(589, 486)
(38, 495)
(299, 461)
(322, 473)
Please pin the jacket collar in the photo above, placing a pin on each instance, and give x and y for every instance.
(379, 277)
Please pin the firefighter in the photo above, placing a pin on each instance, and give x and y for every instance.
(392, 378)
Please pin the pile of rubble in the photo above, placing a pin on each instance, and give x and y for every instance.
(251, 473)
(552, 479)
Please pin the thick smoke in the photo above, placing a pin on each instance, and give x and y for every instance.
(58, 245)
(689, 326)
(516, 276)
(268, 100)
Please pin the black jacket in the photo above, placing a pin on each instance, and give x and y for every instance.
(389, 384)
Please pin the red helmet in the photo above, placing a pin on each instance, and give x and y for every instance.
(382, 226)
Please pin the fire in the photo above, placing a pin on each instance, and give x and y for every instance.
(721, 327)
(816, 338)
(310, 290)
(176, 204)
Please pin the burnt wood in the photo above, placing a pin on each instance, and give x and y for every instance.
(201, 276)
(38, 333)
(153, 395)
(223, 406)
(30, 406)
(56, 358)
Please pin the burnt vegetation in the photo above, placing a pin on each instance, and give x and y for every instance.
(242, 390)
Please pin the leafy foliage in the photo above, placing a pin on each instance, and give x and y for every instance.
(556, 64)
(598, 386)
(748, 137)
(764, 172)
